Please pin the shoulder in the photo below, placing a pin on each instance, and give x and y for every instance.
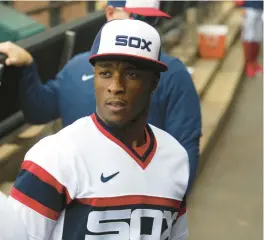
(61, 145)
(79, 62)
(76, 130)
(169, 143)
(47, 154)
(177, 80)
(174, 64)
(76, 135)
(177, 72)
(57, 157)
(81, 57)
(168, 148)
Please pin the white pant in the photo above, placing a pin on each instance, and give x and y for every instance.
(253, 25)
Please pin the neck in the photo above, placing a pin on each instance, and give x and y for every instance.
(131, 134)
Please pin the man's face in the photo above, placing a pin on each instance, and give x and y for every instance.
(122, 91)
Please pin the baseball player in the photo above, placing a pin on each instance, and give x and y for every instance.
(174, 106)
(109, 175)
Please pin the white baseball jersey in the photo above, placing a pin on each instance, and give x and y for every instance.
(83, 183)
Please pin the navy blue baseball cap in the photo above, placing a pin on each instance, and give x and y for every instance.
(129, 40)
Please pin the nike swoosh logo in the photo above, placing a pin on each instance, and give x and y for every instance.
(106, 179)
(87, 77)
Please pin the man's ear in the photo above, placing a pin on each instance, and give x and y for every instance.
(109, 13)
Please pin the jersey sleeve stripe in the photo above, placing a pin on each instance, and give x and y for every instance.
(30, 185)
(34, 205)
(130, 200)
(46, 177)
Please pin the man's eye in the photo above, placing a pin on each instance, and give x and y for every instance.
(131, 75)
(105, 74)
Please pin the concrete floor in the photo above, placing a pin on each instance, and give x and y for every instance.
(226, 202)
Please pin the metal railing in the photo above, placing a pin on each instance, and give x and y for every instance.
(54, 9)
(48, 49)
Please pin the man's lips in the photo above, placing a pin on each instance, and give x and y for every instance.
(116, 105)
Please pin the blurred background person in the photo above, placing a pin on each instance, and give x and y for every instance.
(252, 35)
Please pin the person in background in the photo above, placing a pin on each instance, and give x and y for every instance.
(252, 35)
(175, 105)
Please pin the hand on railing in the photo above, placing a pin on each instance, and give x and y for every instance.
(16, 55)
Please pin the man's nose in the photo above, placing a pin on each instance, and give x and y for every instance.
(116, 86)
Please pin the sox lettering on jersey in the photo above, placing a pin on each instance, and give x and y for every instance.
(96, 224)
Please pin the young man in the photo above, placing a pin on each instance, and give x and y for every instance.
(109, 175)
(174, 106)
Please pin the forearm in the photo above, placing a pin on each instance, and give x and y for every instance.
(38, 101)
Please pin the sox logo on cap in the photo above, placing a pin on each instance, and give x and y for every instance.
(135, 42)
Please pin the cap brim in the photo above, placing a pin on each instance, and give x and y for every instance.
(148, 12)
(146, 62)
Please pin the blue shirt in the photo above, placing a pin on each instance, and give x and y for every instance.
(174, 106)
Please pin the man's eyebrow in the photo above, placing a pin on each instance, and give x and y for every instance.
(104, 64)
(131, 67)
(128, 66)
